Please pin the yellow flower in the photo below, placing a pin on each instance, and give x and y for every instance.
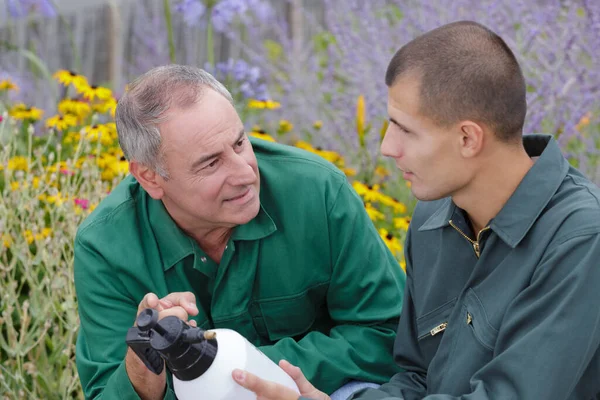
(583, 122)
(28, 236)
(263, 104)
(391, 242)
(381, 171)
(78, 108)
(67, 78)
(14, 186)
(402, 223)
(55, 199)
(383, 130)
(7, 84)
(349, 171)
(403, 264)
(71, 138)
(374, 213)
(18, 163)
(262, 136)
(318, 124)
(96, 92)
(408, 184)
(360, 119)
(285, 126)
(399, 208)
(305, 146)
(61, 122)
(106, 106)
(6, 240)
(330, 156)
(99, 132)
(21, 111)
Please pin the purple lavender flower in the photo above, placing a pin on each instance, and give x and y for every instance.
(241, 78)
(192, 10)
(20, 8)
(224, 12)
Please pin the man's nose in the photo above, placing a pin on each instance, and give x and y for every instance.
(242, 172)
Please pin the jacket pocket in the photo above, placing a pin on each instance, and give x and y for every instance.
(293, 316)
(431, 326)
(477, 320)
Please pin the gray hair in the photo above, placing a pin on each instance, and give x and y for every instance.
(145, 104)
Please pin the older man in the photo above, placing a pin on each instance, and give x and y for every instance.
(265, 239)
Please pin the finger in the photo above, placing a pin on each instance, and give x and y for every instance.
(296, 374)
(193, 323)
(265, 390)
(150, 300)
(186, 300)
(176, 311)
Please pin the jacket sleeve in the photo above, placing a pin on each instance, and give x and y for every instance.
(364, 300)
(105, 313)
(549, 335)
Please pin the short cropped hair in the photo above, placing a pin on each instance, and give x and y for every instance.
(466, 72)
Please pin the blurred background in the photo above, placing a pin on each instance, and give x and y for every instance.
(307, 73)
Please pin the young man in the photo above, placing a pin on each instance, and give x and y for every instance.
(261, 238)
(503, 248)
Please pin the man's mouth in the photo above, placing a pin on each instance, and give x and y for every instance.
(239, 196)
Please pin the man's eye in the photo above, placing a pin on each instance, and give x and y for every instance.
(212, 164)
(241, 142)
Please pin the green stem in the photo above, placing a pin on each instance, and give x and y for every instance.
(169, 21)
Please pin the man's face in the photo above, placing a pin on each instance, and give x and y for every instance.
(213, 174)
(428, 156)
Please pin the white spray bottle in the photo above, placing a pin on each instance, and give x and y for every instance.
(201, 361)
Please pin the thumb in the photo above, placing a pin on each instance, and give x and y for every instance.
(296, 374)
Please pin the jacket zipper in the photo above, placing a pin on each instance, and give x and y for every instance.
(474, 243)
(438, 329)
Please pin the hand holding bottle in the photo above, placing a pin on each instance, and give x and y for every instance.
(180, 304)
(266, 390)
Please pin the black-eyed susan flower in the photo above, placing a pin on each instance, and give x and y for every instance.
(100, 132)
(349, 172)
(23, 112)
(80, 109)
(402, 223)
(7, 84)
(67, 78)
(398, 207)
(391, 242)
(374, 213)
(96, 92)
(61, 122)
(262, 135)
(103, 107)
(263, 104)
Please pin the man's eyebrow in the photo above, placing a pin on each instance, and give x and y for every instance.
(207, 157)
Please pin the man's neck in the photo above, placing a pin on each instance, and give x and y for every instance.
(494, 184)
(211, 239)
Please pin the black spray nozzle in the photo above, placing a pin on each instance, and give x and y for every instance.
(188, 351)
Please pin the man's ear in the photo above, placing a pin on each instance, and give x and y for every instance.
(148, 178)
(472, 137)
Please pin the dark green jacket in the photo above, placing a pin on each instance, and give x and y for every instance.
(308, 280)
(522, 320)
